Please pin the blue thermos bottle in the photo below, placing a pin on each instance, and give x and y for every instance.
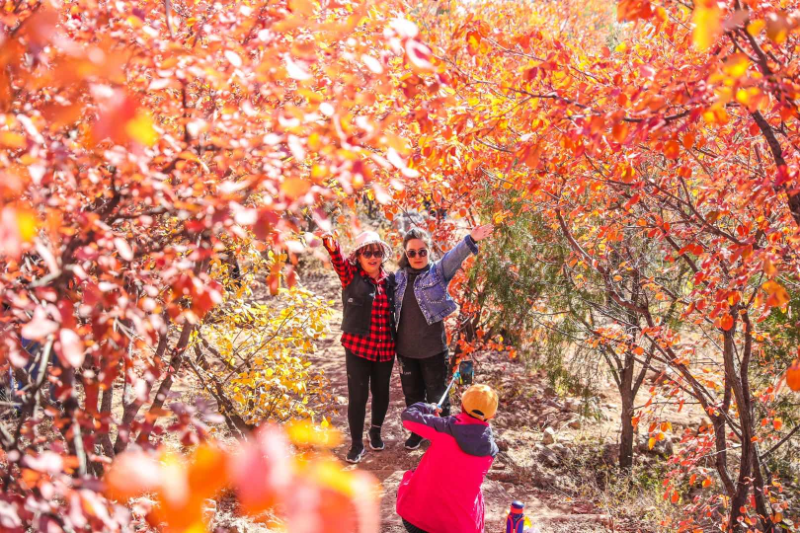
(515, 522)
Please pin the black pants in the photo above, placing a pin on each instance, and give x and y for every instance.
(362, 376)
(425, 380)
(411, 528)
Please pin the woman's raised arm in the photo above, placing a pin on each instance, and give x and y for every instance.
(343, 268)
(452, 260)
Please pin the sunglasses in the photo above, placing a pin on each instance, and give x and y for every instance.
(369, 254)
(413, 253)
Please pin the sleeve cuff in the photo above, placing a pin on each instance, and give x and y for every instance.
(473, 246)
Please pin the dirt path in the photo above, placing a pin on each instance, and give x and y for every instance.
(549, 511)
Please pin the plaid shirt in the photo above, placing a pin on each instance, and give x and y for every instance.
(378, 345)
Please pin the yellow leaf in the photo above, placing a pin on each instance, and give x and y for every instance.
(755, 27)
(650, 443)
(304, 433)
(134, 21)
(736, 66)
(140, 129)
(26, 223)
(707, 24)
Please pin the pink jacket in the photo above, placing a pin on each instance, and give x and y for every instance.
(443, 495)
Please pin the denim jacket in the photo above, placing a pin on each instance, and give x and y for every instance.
(430, 287)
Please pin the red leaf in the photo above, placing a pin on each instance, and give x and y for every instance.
(265, 457)
(124, 249)
(70, 348)
(39, 327)
(418, 55)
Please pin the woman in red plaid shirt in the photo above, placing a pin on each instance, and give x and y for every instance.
(368, 334)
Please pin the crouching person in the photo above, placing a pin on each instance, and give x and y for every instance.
(443, 494)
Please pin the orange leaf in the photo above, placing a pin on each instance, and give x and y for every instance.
(769, 268)
(672, 149)
(10, 139)
(304, 8)
(620, 132)
(777, 27)
(778, 296)
(727, 322)
(208, 472)
(131, 475)
(295, 187)
(793, 376)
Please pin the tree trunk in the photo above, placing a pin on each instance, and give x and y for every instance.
(792, 197)
(744, 407)
(131, 400)
(166, 385)
(626, 418)
(759, 490)
(626, 437)
(721, 457)
(105, 414)
(755, 465)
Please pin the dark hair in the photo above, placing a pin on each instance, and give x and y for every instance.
(374, 247)
(414, 233)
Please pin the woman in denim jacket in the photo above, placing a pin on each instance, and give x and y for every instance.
(420, 313)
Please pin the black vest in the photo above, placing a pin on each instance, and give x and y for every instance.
(357, 298)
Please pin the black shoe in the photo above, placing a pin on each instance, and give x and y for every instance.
(413, 442)
(356, 453)
(375, 440)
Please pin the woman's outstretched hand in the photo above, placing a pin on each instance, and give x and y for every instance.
(328, 240)
(481, 232)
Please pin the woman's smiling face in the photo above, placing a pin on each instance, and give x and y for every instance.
(370, 258)
(417, 253)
